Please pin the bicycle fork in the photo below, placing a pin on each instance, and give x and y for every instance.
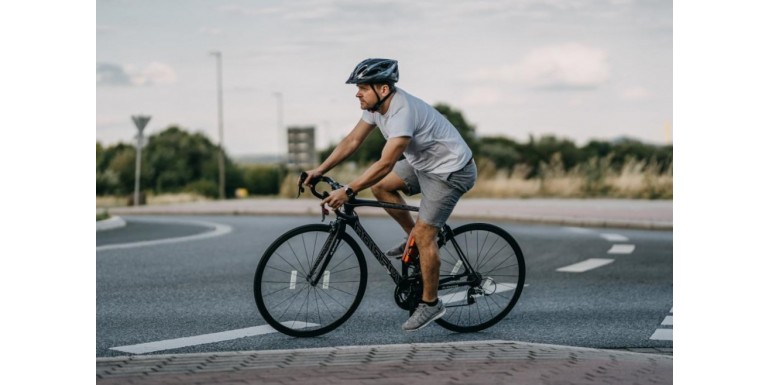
(318, 270)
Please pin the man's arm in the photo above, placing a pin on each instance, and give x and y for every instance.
(392, 151)
(347, 147)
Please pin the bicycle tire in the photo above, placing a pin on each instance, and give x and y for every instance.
(494, 254)
(284, 295)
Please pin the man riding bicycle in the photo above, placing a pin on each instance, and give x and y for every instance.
(438, 163)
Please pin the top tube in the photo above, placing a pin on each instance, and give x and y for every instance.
(355, 202)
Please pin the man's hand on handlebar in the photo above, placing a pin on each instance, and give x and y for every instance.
(311, 174)
(336, 199)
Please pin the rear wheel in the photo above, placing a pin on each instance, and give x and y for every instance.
(287, 297)
(499, 265)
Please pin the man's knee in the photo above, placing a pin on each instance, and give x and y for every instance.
(379, 189)
(391, 184)
(424, 233)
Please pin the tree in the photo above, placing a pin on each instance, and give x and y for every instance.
(180, 161)
(503, 152)
(115, 169)
(467, 130)
(172, 161)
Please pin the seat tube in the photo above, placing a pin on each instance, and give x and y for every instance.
(449, 234)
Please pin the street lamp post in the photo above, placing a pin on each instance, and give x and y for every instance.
(218, 56)
(279, 99)
(140, 121)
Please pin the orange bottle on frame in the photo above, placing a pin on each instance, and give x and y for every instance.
(410, 252)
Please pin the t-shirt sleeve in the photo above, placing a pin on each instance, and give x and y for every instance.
(368, 117)
(402, 123)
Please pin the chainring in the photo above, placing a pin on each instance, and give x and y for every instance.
(409, 292)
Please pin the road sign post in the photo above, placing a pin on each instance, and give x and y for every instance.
(140, 121)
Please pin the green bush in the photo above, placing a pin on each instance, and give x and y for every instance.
(203, 187)
(262, 179)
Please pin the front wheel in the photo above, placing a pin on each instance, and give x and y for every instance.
(499, 265)
(298, 304)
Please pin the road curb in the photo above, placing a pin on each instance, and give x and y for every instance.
(498, 216)
(111, 223)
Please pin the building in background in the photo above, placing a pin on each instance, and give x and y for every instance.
(301, 146)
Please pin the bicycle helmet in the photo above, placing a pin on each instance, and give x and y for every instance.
(375, 71)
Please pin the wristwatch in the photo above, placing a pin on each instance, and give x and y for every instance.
(349, 192)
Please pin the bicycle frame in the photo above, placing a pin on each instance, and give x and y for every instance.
(350, 218)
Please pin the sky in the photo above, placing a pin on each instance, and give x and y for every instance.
(576, 69)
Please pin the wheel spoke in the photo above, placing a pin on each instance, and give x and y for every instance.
(492, 251)
(315, 309)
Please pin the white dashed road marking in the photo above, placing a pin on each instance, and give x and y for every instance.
(614, 237)
(579, 230)
(621, 249)
(176, 343)
(664, 333)
(588, 264)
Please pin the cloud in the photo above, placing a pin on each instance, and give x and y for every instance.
(116, 75)
(482, 96)
(111, 74)
(251, 11)
(211, 31)
(636, 93)
(565, 66)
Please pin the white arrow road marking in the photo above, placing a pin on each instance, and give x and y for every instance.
(621, 249)
(615, 237)
(462, 294)
(176, 343)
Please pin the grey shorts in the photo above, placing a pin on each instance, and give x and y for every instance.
(440, 193)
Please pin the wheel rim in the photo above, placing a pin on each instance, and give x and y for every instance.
(295, 306)
(494, 257)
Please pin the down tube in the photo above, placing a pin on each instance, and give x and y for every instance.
(364, 236)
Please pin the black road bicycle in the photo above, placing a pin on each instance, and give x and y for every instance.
(312, 278)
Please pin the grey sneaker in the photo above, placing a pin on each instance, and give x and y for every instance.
(423, 315)
(397, 250)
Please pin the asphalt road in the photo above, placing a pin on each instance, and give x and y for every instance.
(193, 277)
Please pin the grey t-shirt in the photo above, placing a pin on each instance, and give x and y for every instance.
(436, 146)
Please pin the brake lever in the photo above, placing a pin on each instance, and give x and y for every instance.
(324, 210)
(302, 178)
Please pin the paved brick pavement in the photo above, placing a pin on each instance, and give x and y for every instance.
(485, 362)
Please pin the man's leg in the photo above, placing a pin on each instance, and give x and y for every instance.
(425, 236)
(387, 190)
(430, 308)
